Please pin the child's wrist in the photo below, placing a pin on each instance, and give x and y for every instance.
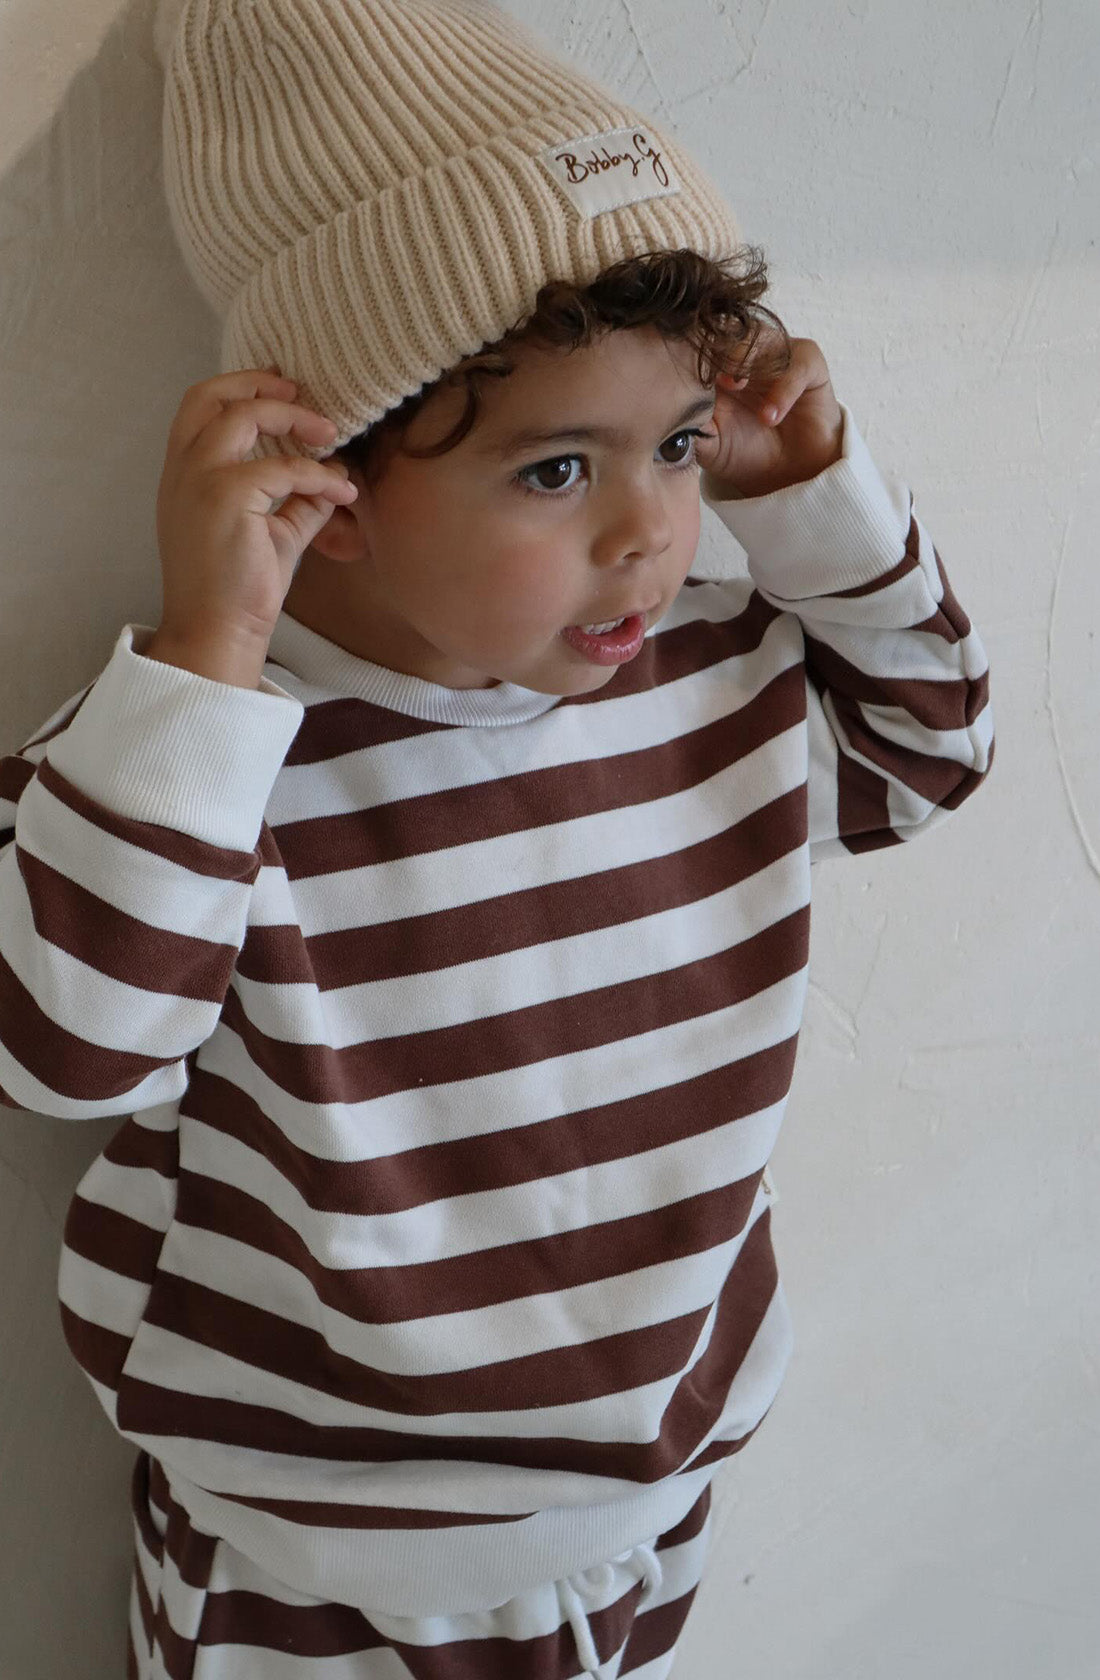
(220, 660)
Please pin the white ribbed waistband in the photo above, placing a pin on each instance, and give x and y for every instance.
(441, 1571)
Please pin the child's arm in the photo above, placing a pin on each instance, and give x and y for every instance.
(131, 826)
(130, 839)
(900, 728)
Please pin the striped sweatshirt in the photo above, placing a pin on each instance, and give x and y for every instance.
(453, 1030)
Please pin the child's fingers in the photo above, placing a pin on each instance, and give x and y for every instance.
(231, 433)
(274, 477)
(771, 402)
(778, 395)
(202, 402)
(768, 402)
(807, 370)
(304, 516)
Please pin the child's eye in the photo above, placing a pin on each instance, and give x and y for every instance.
(553, 468)
(682, 460)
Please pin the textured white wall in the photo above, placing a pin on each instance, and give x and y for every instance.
(922, 1503)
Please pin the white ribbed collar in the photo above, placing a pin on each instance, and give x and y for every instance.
(323, 664)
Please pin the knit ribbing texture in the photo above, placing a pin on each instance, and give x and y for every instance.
(366, 191)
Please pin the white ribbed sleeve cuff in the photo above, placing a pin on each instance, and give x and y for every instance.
(162, 745)
(836, 531)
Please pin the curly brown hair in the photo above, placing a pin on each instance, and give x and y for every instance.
(714, 306)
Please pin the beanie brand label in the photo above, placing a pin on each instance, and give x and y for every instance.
(601, 172)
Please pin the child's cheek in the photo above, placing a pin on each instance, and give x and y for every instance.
(523, 593)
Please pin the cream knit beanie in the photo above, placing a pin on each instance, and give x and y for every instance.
(368, 190)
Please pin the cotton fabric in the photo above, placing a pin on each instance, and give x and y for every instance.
(199, 1610)
(456, 1043)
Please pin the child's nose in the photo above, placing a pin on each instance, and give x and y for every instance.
(639, 526)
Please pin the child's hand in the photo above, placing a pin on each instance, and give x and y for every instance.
(753, 453)
(227, 560)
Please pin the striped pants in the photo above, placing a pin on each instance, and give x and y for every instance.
(199, 1610)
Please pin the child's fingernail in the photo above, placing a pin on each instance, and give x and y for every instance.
(770, 413)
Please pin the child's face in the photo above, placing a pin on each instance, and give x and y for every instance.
(464, 573)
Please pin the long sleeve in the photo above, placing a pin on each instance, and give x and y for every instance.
(899, 722)
(129, 843)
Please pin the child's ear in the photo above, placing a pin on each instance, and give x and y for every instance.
(341, 537)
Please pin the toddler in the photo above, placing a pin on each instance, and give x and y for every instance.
(431, 886)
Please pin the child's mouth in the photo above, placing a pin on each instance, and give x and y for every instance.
(611, 643)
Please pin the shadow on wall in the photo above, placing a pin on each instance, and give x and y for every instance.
(101, 331)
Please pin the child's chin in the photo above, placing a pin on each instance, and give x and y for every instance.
(583, 681)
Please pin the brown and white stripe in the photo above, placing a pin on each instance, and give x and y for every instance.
(456, 1047)
(199, 1610)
